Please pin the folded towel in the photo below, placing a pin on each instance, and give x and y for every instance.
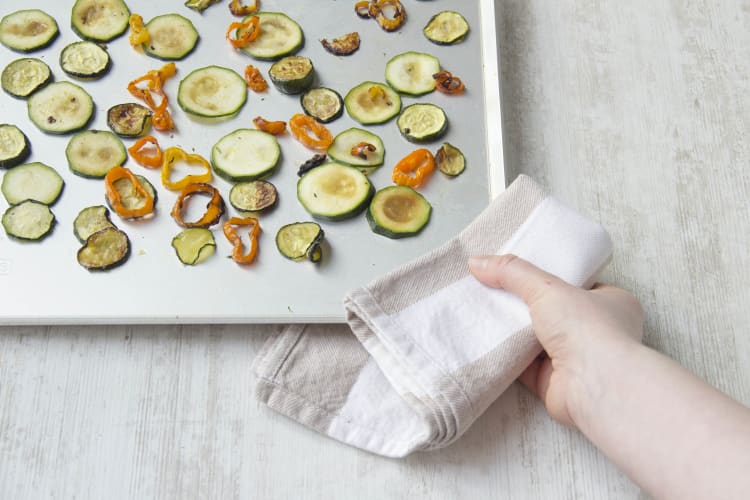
(427, 348)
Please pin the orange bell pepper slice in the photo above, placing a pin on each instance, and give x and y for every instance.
(238, 251)
(214, 208)
(242, 34)
(310, 133)
(115, 200)
(237, 9)
(154, 80)
(138, 33)
(146, 152)
(254, 79)
(273, 128)
(446, 83)
(175, 154)
(420, 163)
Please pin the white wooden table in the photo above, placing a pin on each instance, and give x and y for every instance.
(636, 112)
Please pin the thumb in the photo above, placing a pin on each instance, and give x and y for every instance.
(515, 275)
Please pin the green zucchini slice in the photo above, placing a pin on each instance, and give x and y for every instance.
(398, 212)
(28, 30)
(60, 108)
(323, 104)
(422, 122)
(446, 28)
(14, 146)
(104, 250)
(130, 198)
(94, 153)
(371, 102)
(450, 160)
(253, 196)
(194, 245)
(300, 240)
(99, 20)
(411, 73)
(173, 37)
(23, 77)
(344, 143)
(32, 181)
(334, 191)
(29, 220)
(292, 74)
(245, 155)
(279, 36)
(85, 60)
(129, 119)
(90, 220)
(200, 5)
(212, 92)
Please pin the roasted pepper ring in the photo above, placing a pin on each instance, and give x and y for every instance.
(115, 199)
(245, 32)
(237, 9)
(238, 251)
(420, 162)
(273, 128)
(446, 83)
(144, 157)
(214, 208)
(310, 133)
(173, 155)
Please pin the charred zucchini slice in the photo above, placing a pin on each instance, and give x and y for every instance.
(371, 102)
(32, 181)
(342, 46)
(194, 245)
(300, 240)
(93, 153)
(99, 20)
(85, 60)
(173, 37)
(28, 220)
(245, 155)
(346, 148)
(23, 77)
(14, 146)
(253, 196)
(398, 212)
(279, 36)
(334, 191)
(104, 250)
(422, 122)
(28, 30)
(90, 220)
(129, 197)
(411, 73)
(292, 74)
(323, 104)
(446, 28)
(450, 160)
(60, 108)
(129, 119)
(212, 92)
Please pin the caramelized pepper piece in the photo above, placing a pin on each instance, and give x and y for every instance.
(115, 200)
(362, 149)
(138, 33)
(343, 45)
(154, 81)
(173, 155)
(149, 158)
(214, 208)
(446, 83)
(237, 9)
(420, 162)
(315, 161)
(310, 133)
(254, 79)
(389, 24)
(238, 252)
(246, 32)
(363, 9)
(274, 128)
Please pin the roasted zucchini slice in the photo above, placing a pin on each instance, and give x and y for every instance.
(422, 122)
(173, 37)
(446, 28)
(411, 73)
(371, 102)
(32, 181)
(14, 146)
(292, 74)
(194, 245)
(245, 155)
(99, 20)
(347, 148)
(398, 212)
(450, 160)
(129, 119)
(90, 220)
(23, 77)
(60, 108)
(279, 36)
(28, 220)
(323, 104)
(28, 30)
(334, 191)
(86, 60)
(212, 92)
(253, 196)
(93, 153)
(300, 240)
(104, 250)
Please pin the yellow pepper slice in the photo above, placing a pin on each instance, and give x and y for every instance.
(138, 33)
(174, 155)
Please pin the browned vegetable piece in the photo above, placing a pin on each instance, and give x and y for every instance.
(343, 45)
(129, 120)
(310, 164)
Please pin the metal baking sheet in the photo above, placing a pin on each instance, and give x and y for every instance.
(41, 282)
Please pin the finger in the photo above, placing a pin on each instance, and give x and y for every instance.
(529, 376)
(513, 274)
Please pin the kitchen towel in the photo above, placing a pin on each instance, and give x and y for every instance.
(427, 348)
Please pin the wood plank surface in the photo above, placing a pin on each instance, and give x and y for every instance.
(635, 112)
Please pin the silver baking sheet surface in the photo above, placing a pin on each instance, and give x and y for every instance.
(42, 283)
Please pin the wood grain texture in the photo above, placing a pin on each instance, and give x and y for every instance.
(636, 112)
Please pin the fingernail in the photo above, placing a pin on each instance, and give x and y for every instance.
(478, 263)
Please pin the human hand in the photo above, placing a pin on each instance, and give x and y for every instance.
(576, 327)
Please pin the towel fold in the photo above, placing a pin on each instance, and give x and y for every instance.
(427, 348)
